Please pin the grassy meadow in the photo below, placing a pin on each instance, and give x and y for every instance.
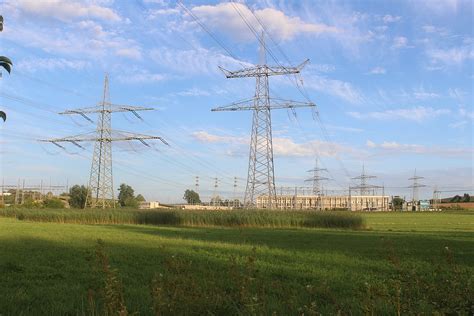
(395, 263)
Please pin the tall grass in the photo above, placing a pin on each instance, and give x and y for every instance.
(240, 218)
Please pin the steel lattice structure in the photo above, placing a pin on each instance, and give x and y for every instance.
(415, 186)
(101, 191)
(316, 178)
(364, 187)
(261, 172)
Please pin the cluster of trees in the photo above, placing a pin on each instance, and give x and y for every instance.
(126, 196)
(192, 197)
(457, 198)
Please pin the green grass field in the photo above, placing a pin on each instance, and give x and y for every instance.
(402, 262)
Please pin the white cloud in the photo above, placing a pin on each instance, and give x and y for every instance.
(378, 71)
(143, 76)
(282, 146)
(391, 19)
(49, 64)
(130, 52)
(395, 147)
(197, 61)
(66, 10)
(226, 17)
(371, 144)
(194, 92)
(205, 137)
(422, 94)
(154, 14)
(417, 114)
(344, 128)
(337, 88)
(400, 42)
(441, 7)
(86, 38)
(455, 56)
(459, 124)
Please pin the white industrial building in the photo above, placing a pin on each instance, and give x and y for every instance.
(326, 202)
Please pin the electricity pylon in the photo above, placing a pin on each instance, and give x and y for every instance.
(316, 178)
(364, 187)
(415, 186)
(100, 190)
(261, 172)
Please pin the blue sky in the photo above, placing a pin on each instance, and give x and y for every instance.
(392, 80)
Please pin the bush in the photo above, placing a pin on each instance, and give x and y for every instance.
(53, 203)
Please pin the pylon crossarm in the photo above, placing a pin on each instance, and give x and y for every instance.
(263, 70)
(113, 108)
(316, 178)
(276, 103)
(317, 169)
(247, 104)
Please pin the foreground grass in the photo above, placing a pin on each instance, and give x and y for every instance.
(46, 268)
(241, 218)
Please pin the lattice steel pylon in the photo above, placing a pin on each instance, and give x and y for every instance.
(415, 186)
(316, 178)
(364, 187)
(100, 189)
(261, 172)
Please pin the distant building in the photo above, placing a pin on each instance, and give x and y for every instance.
(149, 205)
(325, 202)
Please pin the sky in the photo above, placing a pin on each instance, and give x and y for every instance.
(392, 82)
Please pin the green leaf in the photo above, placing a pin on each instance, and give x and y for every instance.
(7, 66)
(6, 60)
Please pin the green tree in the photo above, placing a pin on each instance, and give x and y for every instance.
(397, 203)
(126, 196)
(7, 64)
(78, 196)
(466, 198)
(140, 198)
(456, 199)
(191, 197)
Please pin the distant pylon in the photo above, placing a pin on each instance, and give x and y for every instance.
(216, 185)
(364, 187)
(100, 189)
(261, 173)
(415, 186)
(317, 178)
(196, 184)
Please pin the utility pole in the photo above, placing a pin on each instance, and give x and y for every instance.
(316, 180)
(415, 186)
(101, 192)
(261, 172)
